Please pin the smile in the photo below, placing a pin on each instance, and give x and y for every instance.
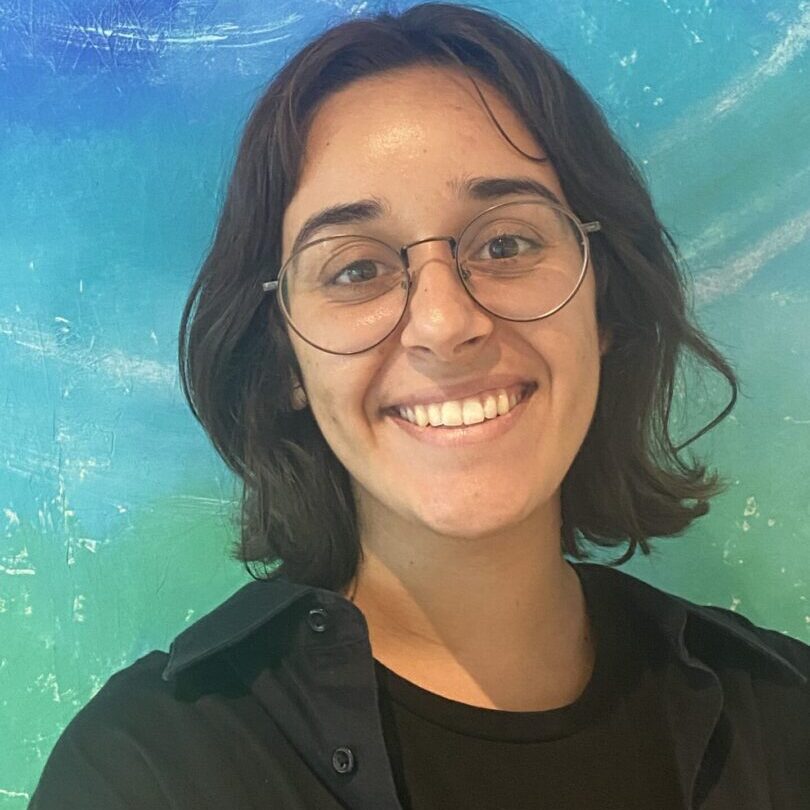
(508, 410)
(467, 411)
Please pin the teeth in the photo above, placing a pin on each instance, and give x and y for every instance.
(451, 414)
(469, 411)
(472, 412)
(490, 408)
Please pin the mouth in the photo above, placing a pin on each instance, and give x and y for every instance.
(463, 415)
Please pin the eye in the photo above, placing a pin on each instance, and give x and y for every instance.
(363, 269)
(503, 246)
(506, 246)
(350, 263)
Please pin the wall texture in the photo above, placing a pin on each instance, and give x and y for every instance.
(118, 123)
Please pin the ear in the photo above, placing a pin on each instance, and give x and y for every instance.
(298, 398)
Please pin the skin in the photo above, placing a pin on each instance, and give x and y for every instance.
(464, 586)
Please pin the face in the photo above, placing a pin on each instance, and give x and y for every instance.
(406, 138)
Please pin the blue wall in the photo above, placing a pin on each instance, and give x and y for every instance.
(118, 124)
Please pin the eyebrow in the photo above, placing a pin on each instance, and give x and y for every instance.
(476, 188)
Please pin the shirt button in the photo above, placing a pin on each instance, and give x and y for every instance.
(343, 759)
(316, 619)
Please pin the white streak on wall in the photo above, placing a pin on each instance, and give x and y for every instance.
(17, 564)
(344, 5)
(792, 44)
(114, 364)
(49, 683)
(742, 267)
(14, 571)
(197, 504)
(696, 38)
(14, 794)
(117, 363)
(222, 35)
(78, 608)
(733, 223)
(13, 517)
(704, 113)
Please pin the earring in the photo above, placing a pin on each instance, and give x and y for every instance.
(298, 399)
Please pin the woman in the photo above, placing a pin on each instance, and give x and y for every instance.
(432, 337)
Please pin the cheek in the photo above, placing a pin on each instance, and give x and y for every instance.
(337, 389)
(327, 407)
(324, 395)
(570, 358)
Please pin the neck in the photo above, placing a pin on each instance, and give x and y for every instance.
(498, 622)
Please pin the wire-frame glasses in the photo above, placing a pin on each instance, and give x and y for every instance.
(520, 261)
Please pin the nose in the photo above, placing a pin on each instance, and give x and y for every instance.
(442, 318)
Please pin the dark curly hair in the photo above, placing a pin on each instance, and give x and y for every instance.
(236, 361)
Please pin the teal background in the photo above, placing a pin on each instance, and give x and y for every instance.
(118, 124)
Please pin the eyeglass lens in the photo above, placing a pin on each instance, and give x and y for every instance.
(521, 261)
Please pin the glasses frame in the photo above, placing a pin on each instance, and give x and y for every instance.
(584, 229)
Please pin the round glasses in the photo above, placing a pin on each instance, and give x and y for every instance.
(521, 261)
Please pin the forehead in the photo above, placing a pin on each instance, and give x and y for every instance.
(406, 137)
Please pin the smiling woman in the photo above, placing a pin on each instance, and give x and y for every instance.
(436, 338)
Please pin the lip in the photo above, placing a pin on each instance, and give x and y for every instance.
(465, 434)
(458, 391)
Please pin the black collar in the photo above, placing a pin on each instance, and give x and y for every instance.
(256, 603)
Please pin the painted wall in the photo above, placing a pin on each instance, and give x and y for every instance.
(118, 123)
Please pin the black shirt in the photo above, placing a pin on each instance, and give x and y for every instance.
(273, 700)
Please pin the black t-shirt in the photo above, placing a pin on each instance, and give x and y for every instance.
(610, 748)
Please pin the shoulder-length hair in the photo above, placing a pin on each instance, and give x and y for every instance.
(298, 515)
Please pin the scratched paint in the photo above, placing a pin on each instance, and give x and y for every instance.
(119, 123)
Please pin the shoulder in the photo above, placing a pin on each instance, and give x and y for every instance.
(131, 700)
(731, 642)
(135, 684)
(792, 650)
(137, 697)
(100, 751)
(120, 749)
(765, 680)
(716, 636)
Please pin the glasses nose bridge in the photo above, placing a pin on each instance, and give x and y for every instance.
(403, 251)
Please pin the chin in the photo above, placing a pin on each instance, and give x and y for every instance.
(471, 517)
